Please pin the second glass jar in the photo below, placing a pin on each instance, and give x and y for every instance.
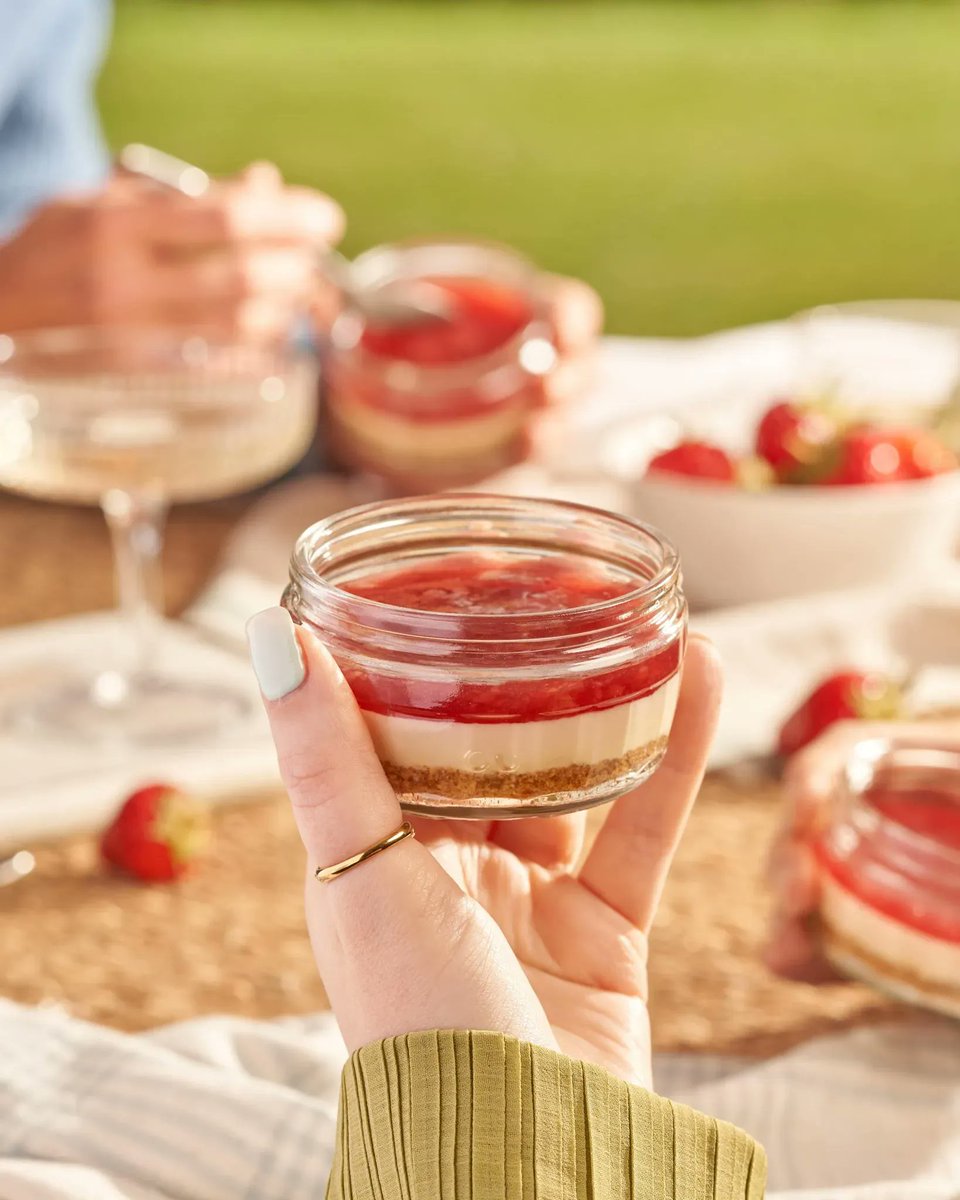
(890, 871)
(440, 403)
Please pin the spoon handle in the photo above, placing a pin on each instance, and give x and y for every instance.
(163, 168)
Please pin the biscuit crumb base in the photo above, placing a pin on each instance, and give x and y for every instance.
(425, 788)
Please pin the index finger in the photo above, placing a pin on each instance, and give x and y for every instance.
(341, 799)
(628, 864)
(576, 311)
(238, 212)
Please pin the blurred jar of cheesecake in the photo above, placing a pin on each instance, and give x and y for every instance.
(890, 867)
(447, 401)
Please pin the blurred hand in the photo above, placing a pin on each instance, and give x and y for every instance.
(574, 310)
(576, 313)
(240, 259)
(480, 924)
(808, 783)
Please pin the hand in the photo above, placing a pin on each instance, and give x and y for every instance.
(576, 313)
(809, 780)
(476, 924)
(240, 259)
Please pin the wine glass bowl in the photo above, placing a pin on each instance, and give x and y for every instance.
(134, 420)
(189, 417)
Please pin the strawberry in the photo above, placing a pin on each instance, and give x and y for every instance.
(699, 460)
(847, 695)
(156, 834)
(796, 440)
(923, 454)
(870, 455)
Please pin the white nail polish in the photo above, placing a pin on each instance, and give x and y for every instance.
(275, 653)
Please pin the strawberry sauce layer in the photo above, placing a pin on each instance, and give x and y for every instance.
(486, 584)
(483, 585)
(931, 905)
(486, 316)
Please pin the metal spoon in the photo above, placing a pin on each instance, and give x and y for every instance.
(402, 302)
(163, 168)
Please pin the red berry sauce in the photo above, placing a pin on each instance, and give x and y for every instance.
(486, 316)
(488, 584)
(923, 893)
(477, 584)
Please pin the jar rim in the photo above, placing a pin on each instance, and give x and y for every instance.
(415, 378)
(860, 769)
(664, 580)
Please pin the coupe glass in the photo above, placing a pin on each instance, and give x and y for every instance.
(134, 420)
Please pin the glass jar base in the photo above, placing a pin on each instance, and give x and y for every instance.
(500, 808)
(855, 966)
(140, 710)
(412, 474)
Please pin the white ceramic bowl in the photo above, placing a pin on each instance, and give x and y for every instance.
(737, 547)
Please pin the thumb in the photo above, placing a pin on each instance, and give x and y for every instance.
(341, 799)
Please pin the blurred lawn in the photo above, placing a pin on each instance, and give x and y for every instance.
(702, 164)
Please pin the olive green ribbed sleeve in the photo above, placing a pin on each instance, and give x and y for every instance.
(479, 1116)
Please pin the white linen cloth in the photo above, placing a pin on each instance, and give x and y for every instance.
(222, 1108)
(54, 786)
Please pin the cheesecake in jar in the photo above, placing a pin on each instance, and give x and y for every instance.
(438, 403)
(510, 656)
(890, 872)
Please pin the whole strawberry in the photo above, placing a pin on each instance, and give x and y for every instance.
(868, 456)
(156, 834)
(697, 460)
(923, 454)
(796, 440)
(872, 455)
(847, 695)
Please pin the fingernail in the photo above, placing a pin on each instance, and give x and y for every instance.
(275, 653)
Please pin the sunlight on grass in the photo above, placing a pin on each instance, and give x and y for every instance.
(702, 164)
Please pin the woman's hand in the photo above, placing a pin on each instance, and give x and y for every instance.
(809, 780)
(241, 258)
(576, 314)
(475, 924)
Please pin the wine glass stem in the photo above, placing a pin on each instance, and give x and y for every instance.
(136, 523)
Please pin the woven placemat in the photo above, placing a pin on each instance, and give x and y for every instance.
(231, 937)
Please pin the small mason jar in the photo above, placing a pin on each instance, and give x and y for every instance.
(890, 871)
(440, 403)
(510, 656)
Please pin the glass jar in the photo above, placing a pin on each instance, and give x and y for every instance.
(890, 872)
(439, 403)
(510, 656)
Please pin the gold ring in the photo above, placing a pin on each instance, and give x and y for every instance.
(328, 874)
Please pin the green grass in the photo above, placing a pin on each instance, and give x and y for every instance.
(701, 163)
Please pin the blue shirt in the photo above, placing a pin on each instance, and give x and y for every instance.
(50, 138)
